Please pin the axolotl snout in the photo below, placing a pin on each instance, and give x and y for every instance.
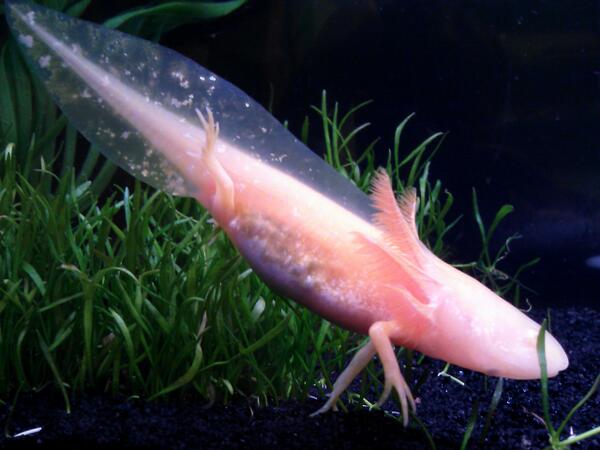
(354, 259)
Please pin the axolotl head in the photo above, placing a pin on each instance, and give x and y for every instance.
(476, 329)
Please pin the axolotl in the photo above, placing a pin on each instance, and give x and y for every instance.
(310, 233)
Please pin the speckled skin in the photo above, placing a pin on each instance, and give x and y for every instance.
(303, 245)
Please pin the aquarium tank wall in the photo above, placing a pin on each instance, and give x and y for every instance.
(469, 125)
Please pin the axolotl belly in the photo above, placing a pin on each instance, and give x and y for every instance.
(355, 260)
(303, 245)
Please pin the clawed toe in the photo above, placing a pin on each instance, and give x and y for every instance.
(404, 395)
(329, 405)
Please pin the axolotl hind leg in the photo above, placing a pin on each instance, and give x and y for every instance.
(224, 197)
(380, 343)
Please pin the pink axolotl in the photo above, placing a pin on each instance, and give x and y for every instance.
(307, 231)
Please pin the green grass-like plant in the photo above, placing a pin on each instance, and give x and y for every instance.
(140, 295)
(554, 434)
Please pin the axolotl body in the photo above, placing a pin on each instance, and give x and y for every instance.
(354, 259)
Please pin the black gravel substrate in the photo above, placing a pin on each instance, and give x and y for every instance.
(444, 407)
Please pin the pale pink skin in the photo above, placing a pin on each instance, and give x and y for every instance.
(372, 277)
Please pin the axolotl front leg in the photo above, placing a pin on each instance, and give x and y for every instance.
(380, 334)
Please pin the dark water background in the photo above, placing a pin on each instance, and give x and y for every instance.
(515, 83)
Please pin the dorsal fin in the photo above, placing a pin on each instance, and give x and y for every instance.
(397, 218)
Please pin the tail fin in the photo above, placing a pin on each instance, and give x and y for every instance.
(114, 88)
(136, 100)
